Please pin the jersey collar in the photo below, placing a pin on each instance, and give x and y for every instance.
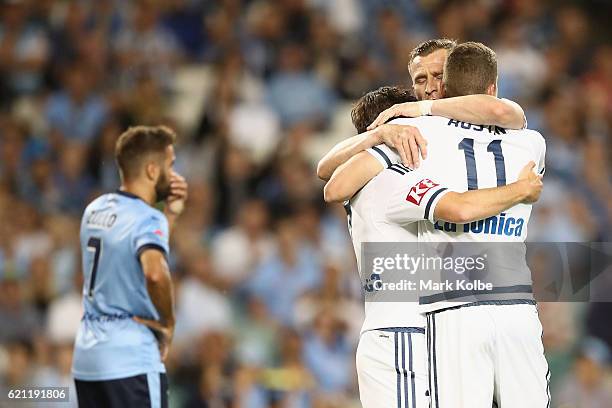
(129, 195)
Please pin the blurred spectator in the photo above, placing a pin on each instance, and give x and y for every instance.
(20, 322)
(239, 249)
(18, 369)
(256, 335)
(586, 386)
(145, 46)
(74, 184)
(514, 77)
(328, 354)
(295, 93)
(78, 112)
(285, 275)
(24, 49)
(196, 294)
(64, 314)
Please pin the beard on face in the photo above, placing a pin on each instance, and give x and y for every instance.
(162, 188)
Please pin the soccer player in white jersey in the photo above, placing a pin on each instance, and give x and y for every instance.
(390, 359)
(488, 352)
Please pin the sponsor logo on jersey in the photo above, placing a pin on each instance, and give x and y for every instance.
(497, 225)
(418, 191)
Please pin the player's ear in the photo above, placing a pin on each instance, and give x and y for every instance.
(492, 89)
(152, 171)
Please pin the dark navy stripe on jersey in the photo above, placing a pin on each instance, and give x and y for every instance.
(456, 294)
(404, 369)
(143, 248)
(410, 368)
(547, 371)
(397, 370)
(106, 317)
(420, 330)
(402, 167)
(543, 170)
(435, 364)
(490, 302)
(431, 200)
(429, 376)
(383, 155)
(398, 169)
(126, 194)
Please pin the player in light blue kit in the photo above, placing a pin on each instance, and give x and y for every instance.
(128, 320)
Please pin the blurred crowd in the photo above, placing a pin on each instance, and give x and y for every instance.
(268, 302)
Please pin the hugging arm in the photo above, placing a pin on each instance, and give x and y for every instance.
(421, 198)
(405, 139)
(478, 109)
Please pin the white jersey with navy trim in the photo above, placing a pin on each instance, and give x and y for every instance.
(387, 210)
(464, 157)
(115, 229)
(391, 365)
(489, 352)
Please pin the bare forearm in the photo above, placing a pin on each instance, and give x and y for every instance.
(162, 295)
(349, 177)
(481, 109)
(476, 205)
(344, 150)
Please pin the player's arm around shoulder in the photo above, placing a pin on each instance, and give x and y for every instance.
(476, 205)
(351, 176)
(480, 109)
(405, 139)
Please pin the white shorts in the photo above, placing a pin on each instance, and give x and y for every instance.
(487, 355)
(392, 369)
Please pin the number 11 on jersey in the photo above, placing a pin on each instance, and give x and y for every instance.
(467, 145)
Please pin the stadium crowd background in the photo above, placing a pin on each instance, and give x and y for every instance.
(268, 300)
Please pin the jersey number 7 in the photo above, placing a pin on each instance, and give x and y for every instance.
(94, 245)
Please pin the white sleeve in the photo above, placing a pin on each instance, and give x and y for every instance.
(416, 198)
(542, 160)
(385, 155)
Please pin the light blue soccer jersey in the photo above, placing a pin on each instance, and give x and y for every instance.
(109, 345)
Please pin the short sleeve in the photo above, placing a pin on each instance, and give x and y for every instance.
(416, 199)
(385, 155)
(152, 233)
(542, 159)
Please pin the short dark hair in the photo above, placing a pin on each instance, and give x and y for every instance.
(370, 105)
(470, 69)
(138, 142)
(429, 46)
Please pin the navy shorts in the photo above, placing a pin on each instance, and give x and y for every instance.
(141, 391)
